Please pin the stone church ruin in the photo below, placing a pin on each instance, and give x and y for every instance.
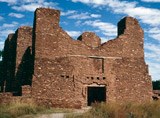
(44, 63)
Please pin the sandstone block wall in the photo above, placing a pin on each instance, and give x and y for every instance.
(63, 69)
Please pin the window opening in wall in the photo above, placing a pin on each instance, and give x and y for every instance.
(104, 78)
(92, 78)
(62, 75)
(96, 94)
(98, 78)
(67, 76)
(87, 77)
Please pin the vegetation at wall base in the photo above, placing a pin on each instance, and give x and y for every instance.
(19, 109)
(128, 110)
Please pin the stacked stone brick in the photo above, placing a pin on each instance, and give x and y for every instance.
(62, 69)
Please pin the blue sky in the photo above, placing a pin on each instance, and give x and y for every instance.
(99, 16)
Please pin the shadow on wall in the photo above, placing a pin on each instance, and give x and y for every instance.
(1, 76)
(24, 72)
(11, 78)
(9, 62)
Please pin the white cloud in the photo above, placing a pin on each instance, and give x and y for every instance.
(6, 29)
(9, 1)
(146, 15)
(31, 1)
(155, 36)
(154, 33)
(150, 0)
(107, 29)
(17, 15)
(95, 15)
(152, 59)
(78, 22)
(29, 5)
(154, 30)
(80, 16)
(105, 39)
(11, 25)
(32, 6)
(111, 3)
(69, 12)
(98, 2)
(154, 69)
(74, 34)
(5, 32)
(1, 18)
(72, 14)
(84, 16)
(152, 47)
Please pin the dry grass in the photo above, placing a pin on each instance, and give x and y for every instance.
(18, 108)
(28, 110)
(101, 110)
(111, 110)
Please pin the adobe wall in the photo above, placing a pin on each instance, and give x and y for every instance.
(64, 67)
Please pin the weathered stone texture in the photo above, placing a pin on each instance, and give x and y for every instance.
(90, 39)
(24, 41)
(17, 60)
(24, 58)
(64, 68)
(26, 90)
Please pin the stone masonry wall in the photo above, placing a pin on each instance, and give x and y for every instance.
(24, 58)
(16, 60)
(62, 69)
(9, 59)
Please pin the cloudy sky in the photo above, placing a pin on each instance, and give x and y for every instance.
(100, 16)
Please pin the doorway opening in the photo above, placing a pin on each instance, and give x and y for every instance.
(96, 94)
